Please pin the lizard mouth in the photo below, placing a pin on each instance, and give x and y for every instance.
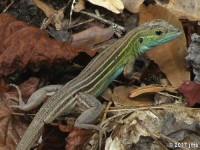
(170, 36)
(167, 37)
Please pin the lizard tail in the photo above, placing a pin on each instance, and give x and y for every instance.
(31, 135)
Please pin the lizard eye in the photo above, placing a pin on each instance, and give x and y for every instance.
(158, 32)
(140, 40)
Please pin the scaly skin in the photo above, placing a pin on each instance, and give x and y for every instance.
(98, 74)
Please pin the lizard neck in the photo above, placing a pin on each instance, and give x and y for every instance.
(105, 67)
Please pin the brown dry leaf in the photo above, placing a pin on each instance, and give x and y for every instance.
(121, 94)
(115, 6)
(11, 128)
(77, 138)
(80, 5)
(191, 91)
(183, 9)
(152, 89)
(132, 5)
(170, 56)
(52, 138)
(55, 17)
(23, 46)
(89, 37)
(12, 125)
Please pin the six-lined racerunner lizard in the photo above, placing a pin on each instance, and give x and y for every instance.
(96, 76)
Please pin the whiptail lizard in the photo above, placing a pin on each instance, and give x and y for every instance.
(97, 75)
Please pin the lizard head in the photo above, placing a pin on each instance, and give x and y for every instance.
(155, 33)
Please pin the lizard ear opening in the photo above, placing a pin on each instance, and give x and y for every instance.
(158, 32)
(140, 40)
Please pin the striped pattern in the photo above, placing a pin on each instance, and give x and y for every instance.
(93, 79)
(97, 75)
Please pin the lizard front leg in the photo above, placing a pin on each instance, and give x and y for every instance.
(95, 108)
(37, 97)
(129, 70)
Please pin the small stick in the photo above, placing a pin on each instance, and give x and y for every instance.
(71, 11)
(148, 108)
(103, 118)
(22, 114)
(168, 95)
(78, 24)
(81, 23)
(8, 6)
(106, 111)
(43, 23)
(114, 25)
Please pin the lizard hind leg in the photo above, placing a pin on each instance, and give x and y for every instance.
(94, 109)
(37, 98)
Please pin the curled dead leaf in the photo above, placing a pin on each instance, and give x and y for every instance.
(152, 89)
(23, 46)
(89, 37)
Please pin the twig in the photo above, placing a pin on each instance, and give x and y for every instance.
(150, 107)
(22, 114)
(113, 117)
(78, 24)
(71, 11)
(8, 6)
(106, 111)
(114, 25)
(168, 95)
(135, 109)
(44, 22)
(103, 118)
(81, 23)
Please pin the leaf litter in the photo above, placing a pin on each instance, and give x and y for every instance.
(141, 126)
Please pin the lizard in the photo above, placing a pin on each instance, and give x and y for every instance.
(96, 76)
